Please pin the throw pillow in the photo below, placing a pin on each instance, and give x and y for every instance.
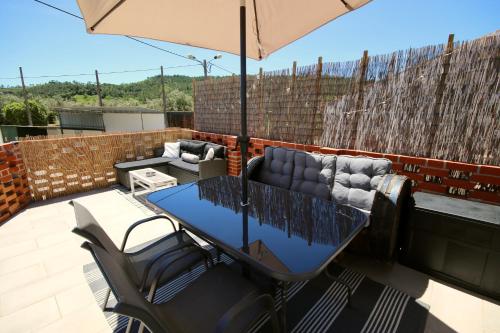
(210, 154)
(190, 158)
(172, 149)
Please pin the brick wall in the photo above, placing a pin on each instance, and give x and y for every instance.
(461, 180)
(14, 189)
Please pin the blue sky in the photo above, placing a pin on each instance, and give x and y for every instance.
(46, 42)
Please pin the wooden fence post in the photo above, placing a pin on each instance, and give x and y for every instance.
(439, 94)
(363, 67)
(98, 85)
(25, 93)
(291, 100)
(317, 104)
(193, 82)
(164, 98)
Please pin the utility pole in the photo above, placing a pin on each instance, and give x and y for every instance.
(164, 97)
(205, 69)
(25, 93)
(98, 88)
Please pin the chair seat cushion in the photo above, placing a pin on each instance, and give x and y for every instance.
(145, 163)
(357, 178)
(200, 306)
(313, 174)
(190, 167)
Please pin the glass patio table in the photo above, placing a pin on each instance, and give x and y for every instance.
(286, 235)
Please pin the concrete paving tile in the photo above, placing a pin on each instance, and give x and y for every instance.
(21, 277)
(75, 299)
(31, 318)
(491, 317)
(89, 319)
(12, 251)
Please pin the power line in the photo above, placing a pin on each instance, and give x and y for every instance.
(129, 37)
(100, 73)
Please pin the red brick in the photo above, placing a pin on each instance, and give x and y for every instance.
(412, 160)
(326, 150)
(432, 187)
(486, 179)
(392, 157)
(312, 148)
(461, 166)
(434, 172)
(485, 196)
(433, 163)
(412, 175)
(397, 166)
(458, 183)
(301, 147)
(489, 170)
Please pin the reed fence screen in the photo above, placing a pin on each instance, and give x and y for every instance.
(61, 166)
(439, 101)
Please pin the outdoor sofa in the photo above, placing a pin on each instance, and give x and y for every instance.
(185, 172)
(362, 182)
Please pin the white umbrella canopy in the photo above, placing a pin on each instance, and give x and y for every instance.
(214, 24)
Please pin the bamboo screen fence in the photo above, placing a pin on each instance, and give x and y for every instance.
(440, 101)
(61, 166)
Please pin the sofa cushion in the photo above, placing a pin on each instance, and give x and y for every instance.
(277, 168)
(313, 174)
(193, 147)
(171, 149)
(219, 151)
(190, 158)
(357, 178)
(146, 163)
(158, 152)
(190, 167)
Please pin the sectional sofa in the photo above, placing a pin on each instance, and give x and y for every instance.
(362, 182)
(185, 172)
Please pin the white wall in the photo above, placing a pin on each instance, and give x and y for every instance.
(131, 122)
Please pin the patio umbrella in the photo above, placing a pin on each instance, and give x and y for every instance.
(214, 24)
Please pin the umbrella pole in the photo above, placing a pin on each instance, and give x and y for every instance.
(243, 138)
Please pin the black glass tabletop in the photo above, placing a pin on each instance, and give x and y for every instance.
(287, 235)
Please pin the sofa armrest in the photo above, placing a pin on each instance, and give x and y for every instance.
(212, 168)
(253, 165)
(392, 203)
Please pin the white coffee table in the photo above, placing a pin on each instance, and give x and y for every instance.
(150, 179)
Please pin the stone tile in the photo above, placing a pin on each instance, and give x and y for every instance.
(24, 296)
(54, 238)
(12, 251)
(21, 277)
(77, 257)
(491, 317)
(89, 319)
(31, 318)
(75, 299)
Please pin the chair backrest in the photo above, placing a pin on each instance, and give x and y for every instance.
(357, 178)
(277, 168)
(131, 302)
(313, 174)
(89, 228)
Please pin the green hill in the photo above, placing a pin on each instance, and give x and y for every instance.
(146, 93)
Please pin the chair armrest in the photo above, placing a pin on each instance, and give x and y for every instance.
(138, 223)
(212, 168)
(253, 165)
(252, 299)
(393, 200)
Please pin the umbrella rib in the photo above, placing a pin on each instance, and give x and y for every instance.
(257, 28)
(348, 6)
(118, 4)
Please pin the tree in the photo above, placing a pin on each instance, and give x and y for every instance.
(15, 113)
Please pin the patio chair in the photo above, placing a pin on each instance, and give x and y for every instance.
(220, 300)
(172, 254)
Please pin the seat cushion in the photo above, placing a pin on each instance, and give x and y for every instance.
(356, 179)
(145, 163)
(277, 168)
(179, 163)
(200, 306)
(193, 147)
(313, 174)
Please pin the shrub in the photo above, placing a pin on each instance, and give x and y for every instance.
(15, 113)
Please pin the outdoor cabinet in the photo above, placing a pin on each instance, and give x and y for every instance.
(455, 240)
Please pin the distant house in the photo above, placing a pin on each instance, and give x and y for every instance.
(90, 119)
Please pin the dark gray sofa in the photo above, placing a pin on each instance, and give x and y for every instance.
(358, 181)
(184, 172)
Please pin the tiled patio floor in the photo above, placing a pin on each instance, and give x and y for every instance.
(42, 287)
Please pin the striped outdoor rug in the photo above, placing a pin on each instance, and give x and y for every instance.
(318, 305)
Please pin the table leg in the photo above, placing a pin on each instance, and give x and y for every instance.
(132, 187)
(284, 300)
(342, 282)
